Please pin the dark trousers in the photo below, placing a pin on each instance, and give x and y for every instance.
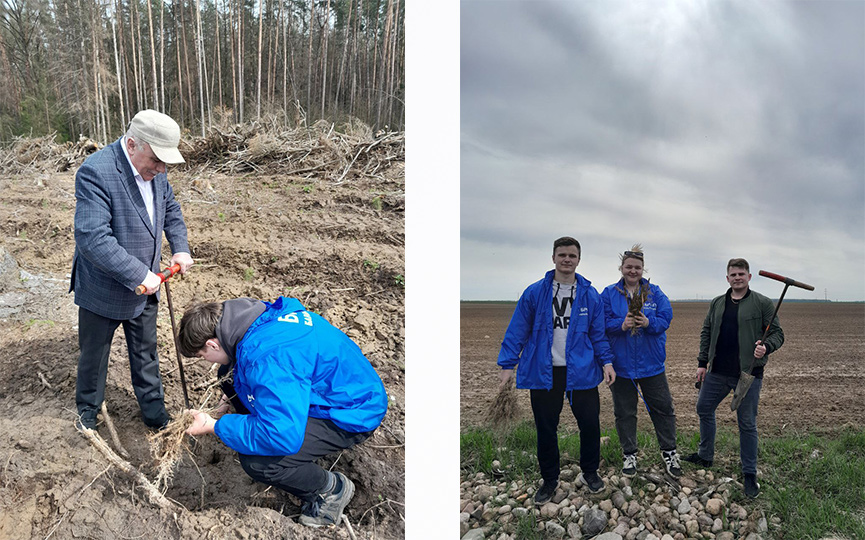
(298, 473)
(656, 393)
(95, 334)
(547, 407)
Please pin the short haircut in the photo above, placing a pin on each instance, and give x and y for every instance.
(566, 241)
(197, 326)
(738, 263)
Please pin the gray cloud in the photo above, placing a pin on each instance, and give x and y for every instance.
(704, 130)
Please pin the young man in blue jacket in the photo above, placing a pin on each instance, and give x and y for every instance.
(303, 390)
(557, 343)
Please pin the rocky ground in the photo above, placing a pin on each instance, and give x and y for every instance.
(315, 214)
(650, 506)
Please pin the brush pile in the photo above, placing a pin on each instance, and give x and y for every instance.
(319, 151)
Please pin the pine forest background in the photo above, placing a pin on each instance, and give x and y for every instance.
(85, 67)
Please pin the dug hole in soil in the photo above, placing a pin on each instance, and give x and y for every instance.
(316, 214)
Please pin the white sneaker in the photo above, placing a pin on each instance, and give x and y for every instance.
(671, 460)
(629, 467)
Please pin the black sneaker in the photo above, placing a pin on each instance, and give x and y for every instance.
(697, 460)
(82, 423)
(629, 465)
(592, 481)
(671, 461)
(752, 488)
(327, 509)
(548, 488)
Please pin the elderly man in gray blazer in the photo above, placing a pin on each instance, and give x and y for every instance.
(123, 204)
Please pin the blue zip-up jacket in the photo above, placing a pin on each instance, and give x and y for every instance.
(528, 341)
(292, 364)
(643, 354)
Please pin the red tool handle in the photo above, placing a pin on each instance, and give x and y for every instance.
(164, 276)
(786, 280)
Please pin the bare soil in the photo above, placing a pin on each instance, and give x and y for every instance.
(812, 383)
(336, 243)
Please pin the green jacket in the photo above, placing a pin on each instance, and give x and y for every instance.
(754, 314)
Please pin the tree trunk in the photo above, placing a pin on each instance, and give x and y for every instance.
(309, 58)
(324, 59)
(117, 69)
(153, 56)
(260, 31)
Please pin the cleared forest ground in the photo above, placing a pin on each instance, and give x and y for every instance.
(315, 214)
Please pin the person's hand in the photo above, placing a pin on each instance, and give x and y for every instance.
(641, 321)
(505, 378)
(184, 260)
(628, 323)
(223, 406)
(151, 283)
(701, 374)
(202, 425)
(759, 350)
(609, 374)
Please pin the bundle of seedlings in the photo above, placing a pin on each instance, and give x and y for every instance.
(167, 447)
(504, 409)
(636, 301)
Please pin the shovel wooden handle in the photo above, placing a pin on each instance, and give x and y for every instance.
(164, 276)
(787, 280)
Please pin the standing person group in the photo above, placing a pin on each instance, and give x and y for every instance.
(564, 339)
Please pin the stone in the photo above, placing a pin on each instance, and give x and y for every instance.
(555, 530)
(549, 510)
(609, 536)
(474, 534)
(714, 506)
(717, 525)
(692, 527)
(619, 500)
(574, 531)
(762, 525)
(566, 475)
(594, 522)
(606, 505)
(485, 493)
(633, 508)
(506, 509)
(725, 535)
(520, 512)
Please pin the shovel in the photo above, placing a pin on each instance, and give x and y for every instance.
(745, 377)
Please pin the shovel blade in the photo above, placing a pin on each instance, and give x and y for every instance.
(745, 380)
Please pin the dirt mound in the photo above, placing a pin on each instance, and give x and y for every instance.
(330, 234)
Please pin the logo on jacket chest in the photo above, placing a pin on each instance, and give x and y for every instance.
(562, 312)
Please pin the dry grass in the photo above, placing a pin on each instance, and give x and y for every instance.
(167, 447)
(504, 409)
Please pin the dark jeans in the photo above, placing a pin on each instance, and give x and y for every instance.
(547, 407)
(713, 391)
(298, 473)
(95, 334)
(656, 392)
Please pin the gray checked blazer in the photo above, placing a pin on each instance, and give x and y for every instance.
(115, 241)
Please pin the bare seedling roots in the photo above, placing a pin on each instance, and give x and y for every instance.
(167, 447)
(153, 494)
(504, 409)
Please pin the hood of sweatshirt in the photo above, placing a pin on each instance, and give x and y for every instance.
(237, 315)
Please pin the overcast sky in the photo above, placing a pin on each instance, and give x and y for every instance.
(705, 130)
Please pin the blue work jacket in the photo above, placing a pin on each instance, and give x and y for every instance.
(292, 364)
(528, 341)
(644, 353)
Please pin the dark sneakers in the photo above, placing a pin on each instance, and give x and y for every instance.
(327, 509)
(752, 488)
(592, 481)
(671, 461)
(697, 460)
(546, 492)
(82, 423)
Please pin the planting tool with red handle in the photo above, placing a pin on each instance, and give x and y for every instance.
(745, 377)
(164, 276)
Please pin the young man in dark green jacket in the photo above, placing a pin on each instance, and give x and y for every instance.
(729, 344)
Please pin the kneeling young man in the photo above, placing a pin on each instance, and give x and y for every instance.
(302, 388)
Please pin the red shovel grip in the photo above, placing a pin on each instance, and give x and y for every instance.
(786, 280)
(164, 276)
